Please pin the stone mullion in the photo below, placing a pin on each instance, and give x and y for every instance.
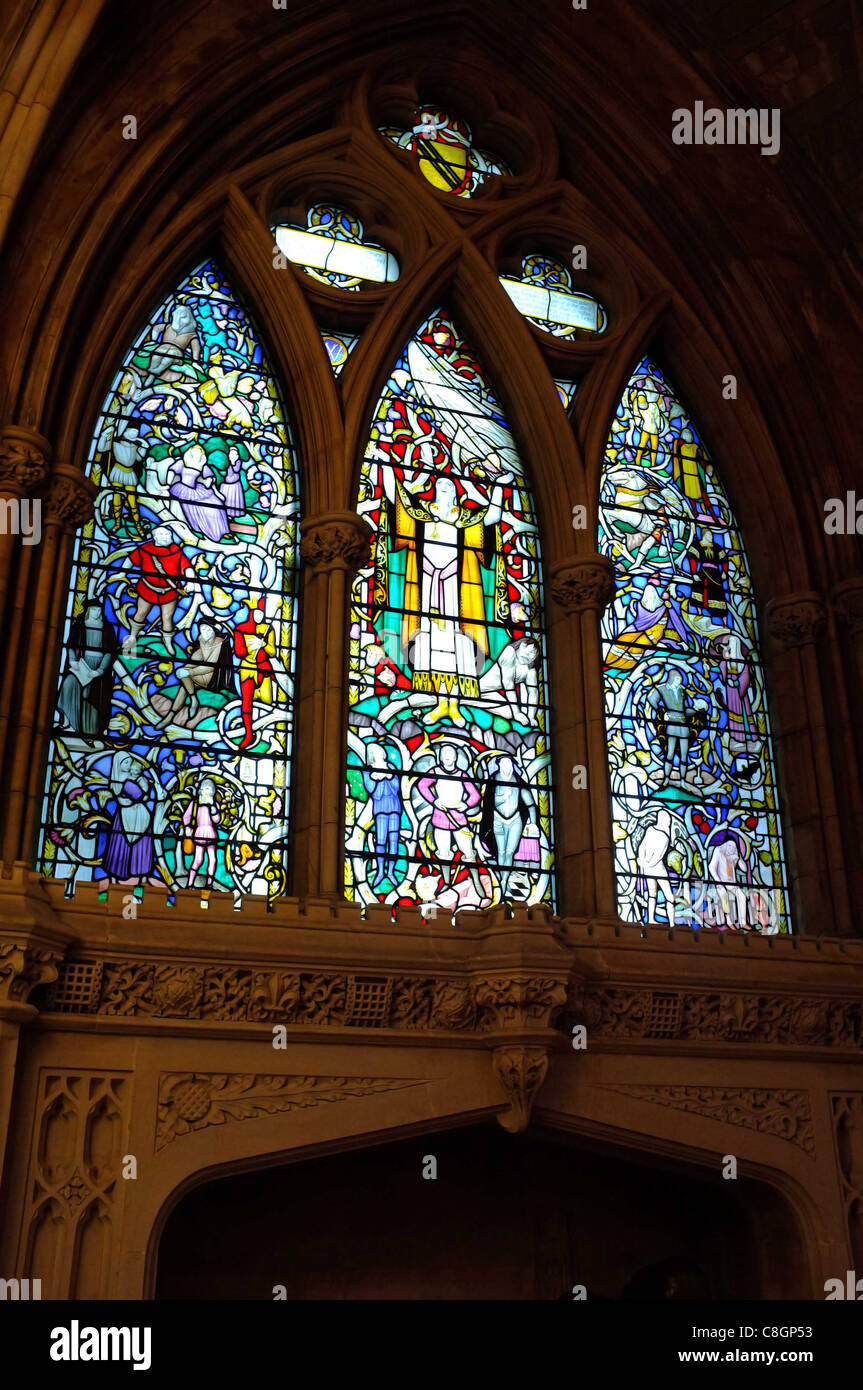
(571, 827)
(24, 458)
(598, 783)
(333, 546)
(47, 692)
(848, 606)
(583, 587)
(68, 505)
(796, 623)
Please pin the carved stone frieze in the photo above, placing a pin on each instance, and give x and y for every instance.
(190, 1101)
(783, 1113)
(695, 1015)
(340, 539)
(144, 989)
(580, 584)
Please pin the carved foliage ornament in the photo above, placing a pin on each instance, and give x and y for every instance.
(190, 1101)
(793, 1020)
(784, 1114)
(23, 967)
(69, 502)
(522, 1071)
(268, 995)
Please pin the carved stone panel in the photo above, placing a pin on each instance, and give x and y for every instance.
(75, 1186)
(190, 1101)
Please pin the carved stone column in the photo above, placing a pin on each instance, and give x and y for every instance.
(796, 623)
(582, 587)
(848, 607)
(332, 548)
(68, 504)
(24, 460)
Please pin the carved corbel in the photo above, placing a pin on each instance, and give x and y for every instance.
(522, 1071)
(525, 1007)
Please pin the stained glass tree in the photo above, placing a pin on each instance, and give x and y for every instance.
(170, 758)
(696, 818)
(449, 789)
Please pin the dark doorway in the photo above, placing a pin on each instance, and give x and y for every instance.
(523, 1218)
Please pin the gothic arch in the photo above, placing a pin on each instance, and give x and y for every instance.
(450, 249)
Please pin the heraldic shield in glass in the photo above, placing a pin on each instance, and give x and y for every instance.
(449, 791)
(696, 821)
(169, 763)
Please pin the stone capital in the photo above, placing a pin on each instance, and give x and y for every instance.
(69, 499)
(795, 620)
(523, 1003)
(24, 460)
(848, 603)
(335, 540)
(581, 584)
(24, 964)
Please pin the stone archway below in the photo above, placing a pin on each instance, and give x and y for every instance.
(523, 1218)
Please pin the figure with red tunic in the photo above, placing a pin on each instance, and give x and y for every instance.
(163, 565)
(255, 645)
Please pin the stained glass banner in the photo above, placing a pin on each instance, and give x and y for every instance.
(332, 248)
(170, 758)
(545, 295)
(449, 785)
(696, 818)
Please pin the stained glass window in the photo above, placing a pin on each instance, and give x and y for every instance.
(449, 784)
(566, 390)
(339, 347)
(332, 248)
(544, 294)
(445, 151)
(169, 763)
(696, 819)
